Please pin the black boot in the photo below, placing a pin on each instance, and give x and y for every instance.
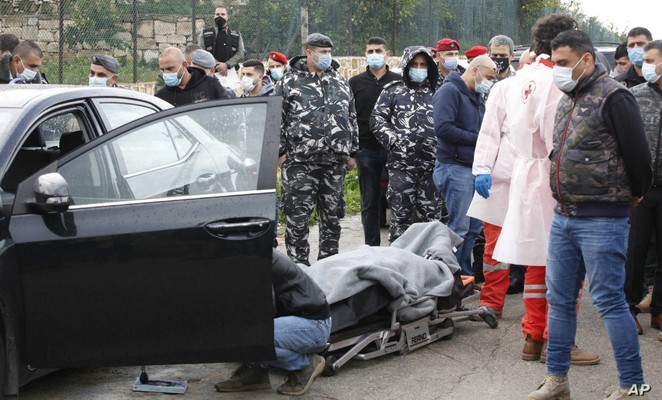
(516, 279)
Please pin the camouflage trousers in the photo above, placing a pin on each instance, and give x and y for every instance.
(303, 187)
(412, 197)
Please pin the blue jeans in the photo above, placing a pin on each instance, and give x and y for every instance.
(295, 338)
(594, 247)
(370, 165)
(456, 183)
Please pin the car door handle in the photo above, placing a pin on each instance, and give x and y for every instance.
(243, 227)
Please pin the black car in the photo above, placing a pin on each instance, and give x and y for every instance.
(146, 244)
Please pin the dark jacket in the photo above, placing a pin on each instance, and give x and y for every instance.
(402, 118)
(601, 158)
(366, 89)
(5, 74)
(319, 119)
(458, 113)
(630, 78)
(649, 99)
(200, 88)
(295, 292)
(234, 45)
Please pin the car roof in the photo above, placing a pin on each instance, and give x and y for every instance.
(19, 96)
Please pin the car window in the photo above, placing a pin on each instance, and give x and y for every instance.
(6, 117)
(205, 151)
(118, 114)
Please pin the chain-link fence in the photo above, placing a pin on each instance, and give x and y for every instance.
(135, 31)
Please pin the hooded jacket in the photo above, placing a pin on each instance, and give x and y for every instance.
(200, 88)
(402, 118)
(267, 88)
(319, 118)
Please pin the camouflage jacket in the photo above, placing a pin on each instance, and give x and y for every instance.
(649, 99)
(319, 118)
(587, 165)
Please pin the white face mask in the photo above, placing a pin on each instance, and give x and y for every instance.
(648, 72)
(97, 81)
(248, 83)
(563, 77)
(484, 86)
(27, 75)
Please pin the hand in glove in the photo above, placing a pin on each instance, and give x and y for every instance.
(483, 184)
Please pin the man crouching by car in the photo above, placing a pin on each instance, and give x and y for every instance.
(302, 326)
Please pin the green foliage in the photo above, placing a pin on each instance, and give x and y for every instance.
(76, 71)
(94, 21)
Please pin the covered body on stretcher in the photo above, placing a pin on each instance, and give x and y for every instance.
(395, 299)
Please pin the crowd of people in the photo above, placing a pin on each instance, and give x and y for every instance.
(557, 164)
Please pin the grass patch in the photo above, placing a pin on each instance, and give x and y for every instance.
(77, 70)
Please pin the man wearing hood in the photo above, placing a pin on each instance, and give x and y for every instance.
(318, 142)
(184, 84)
(224, 43)
(254, 81)
(402, 122)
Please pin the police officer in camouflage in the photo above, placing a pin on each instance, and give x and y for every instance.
(318, 142)
(402, 122)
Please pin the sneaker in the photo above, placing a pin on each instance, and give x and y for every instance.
(553, 388)
(645, 305)
(619, 394)
(577, 356)
(479, 317)
(245, 378)
(298, 382)
(532, 349)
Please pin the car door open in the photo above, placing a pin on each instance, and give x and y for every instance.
(163, 255)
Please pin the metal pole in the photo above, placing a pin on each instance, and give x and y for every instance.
(351, 23)
(193, 12)
(304, 25)
(134, 36)
(60, 47)
(394, 26)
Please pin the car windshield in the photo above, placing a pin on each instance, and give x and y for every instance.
(7, 117)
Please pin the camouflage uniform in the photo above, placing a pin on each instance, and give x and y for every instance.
(318, 135)
(402, 122)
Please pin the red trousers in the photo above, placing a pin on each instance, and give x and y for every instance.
(497, 275)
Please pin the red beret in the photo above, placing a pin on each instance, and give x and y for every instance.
(448, 44)
(278, 57)
(476, 51)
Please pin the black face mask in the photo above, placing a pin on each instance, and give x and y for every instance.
(502, 63)
(220, 22)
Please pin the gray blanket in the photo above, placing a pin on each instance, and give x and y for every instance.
(401, 269)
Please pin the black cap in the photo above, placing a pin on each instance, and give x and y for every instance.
(106, 61)
(319, 40)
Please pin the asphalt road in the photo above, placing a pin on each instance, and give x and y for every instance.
(477, 363)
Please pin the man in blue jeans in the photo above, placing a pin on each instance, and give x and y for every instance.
(601, 168)
(301, 328)
(458, 112)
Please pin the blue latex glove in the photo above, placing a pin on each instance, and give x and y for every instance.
(483, 184)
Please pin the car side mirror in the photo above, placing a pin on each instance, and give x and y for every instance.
(51, 193)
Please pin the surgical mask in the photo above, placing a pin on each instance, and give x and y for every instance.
(220, 22)
(450, 63)
(502, 63)
(248, 83)
(376, 61)
(563, 77)
(95, 81)
(277, 73)
(27, 75)
(484, 86)
(172, 79)
(636, 55)
(648, 72)
(418, 75)
(323, 61)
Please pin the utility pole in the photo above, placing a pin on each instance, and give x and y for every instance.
(304, 25)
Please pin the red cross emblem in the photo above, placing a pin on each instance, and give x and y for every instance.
(528, 90)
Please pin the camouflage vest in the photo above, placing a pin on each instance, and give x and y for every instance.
(586, 162)
(649, 100)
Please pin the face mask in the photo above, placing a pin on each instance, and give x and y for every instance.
(418, 74)
(636, 55)
(27, 75)
(450, 63)
(220, 22)
(502, 63)
(172, 79)
(376, 61)
(323, 61)
(277, 73)
(247, 83)
(484, 86)
(563, 77)
(98, 81)
(648, 72)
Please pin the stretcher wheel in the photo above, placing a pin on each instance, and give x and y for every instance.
(491, 320)
(448, 323)
(328, 366)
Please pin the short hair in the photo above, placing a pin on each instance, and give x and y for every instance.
(501, 40)
(8, 42)
(191, 48)
(257, 64)
(546, 28)
(377, 40)
(654, 44)
(621, 51)
(179, 55)
(638, 31)
(578, 41)
(221, 5)
(482, 61)
(27, 48)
